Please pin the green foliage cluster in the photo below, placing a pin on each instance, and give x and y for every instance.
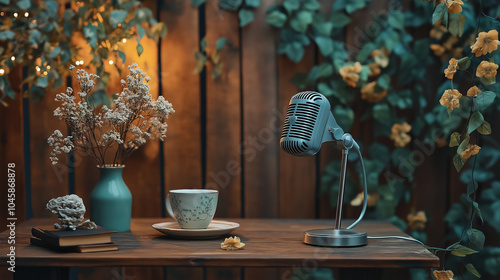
(243, 7)
(404, 78)
(206, 56)
(40, 35)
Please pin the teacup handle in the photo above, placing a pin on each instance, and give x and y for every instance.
(169, 207)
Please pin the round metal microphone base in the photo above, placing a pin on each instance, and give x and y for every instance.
(329, 237)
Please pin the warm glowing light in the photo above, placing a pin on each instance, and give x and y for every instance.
(48, 67)
(115, 47)
(81, 62)
(111, 62)
(2, 13)
(2, 71)
(124, 40)
(16, 14)
(37, 69)
(12, 58)
(26, 14)
(45, 73)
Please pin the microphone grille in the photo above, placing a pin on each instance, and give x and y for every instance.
(311, 95)
(294, 147)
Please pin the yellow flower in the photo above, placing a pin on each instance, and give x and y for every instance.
(450, 42)
(350, 73)
(370, 201)
(485, 43)
(437, 49)
(486, 69)
(473, 91)
(417, 221)
(454, 6)
(443, 275)
(375, 69)
(368, 93)
(232, 244)
(381, 56)
(452, 69)
(470, 151)
(450, 99)
(399, 134)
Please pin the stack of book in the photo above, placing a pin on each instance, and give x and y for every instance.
(80, 240)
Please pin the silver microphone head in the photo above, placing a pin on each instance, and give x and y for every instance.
(308, 124)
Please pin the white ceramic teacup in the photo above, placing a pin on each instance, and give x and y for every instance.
(192, 208)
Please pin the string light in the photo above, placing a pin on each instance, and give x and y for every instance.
(26, 14)
(12, 58)
(2, 13)
(81, 62)
(2, 71)
(15, 15)
(111, 62)
(37, 69)
(48, 67)
(45, 73)
(124, 40)
(77, 63)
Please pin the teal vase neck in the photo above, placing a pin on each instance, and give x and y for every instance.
(111, 171)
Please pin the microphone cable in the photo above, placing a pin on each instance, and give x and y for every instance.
(365, 187)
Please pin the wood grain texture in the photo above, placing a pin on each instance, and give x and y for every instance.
(297, 175)
(181, 87)
(47, 180)
(262, 118)
(269, 243)
(223, 122)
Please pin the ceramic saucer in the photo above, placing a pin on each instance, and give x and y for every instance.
(214, 229)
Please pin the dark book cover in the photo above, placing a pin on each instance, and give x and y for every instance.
(111, 246)
(73, 237)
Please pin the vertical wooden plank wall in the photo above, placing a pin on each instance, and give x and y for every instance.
(182, 149)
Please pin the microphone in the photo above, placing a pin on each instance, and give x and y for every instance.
(308, 124)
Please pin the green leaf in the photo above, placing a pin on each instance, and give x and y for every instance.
(301, 21)
(230, 5)
(90, 33)
(325, 45)
(476, 237)
(140, 31)
(221, 42)
(55, 52)
(42, 82)
(484, 128)
(463, 63)
(252, 3)
(484, 99)
(294, 51)
(455, 139)
(7, 35)
(246, 16)
(300, 80)
(383, 81)
(438, 12)
(463, 145)
(201, 60)
(197, 3)
(397, 20)
(381, 112)
(5, 2)
(488, 81)
(24, 4)
(291, 5)
(471, 187)
(344, 116)
(456, 25)
(458, 162)
(139, 49)
(470, 267)
(311, 5)
(203, 44)
(477, 210)
(462, 251)
(475, 121)
(339, 20)
(324, 70)
(365, 51)
(276, 19)
(117, 16)
(122, 56)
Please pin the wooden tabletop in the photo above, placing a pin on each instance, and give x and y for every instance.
(269, 243)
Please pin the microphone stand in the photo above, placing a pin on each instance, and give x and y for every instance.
(338, 237)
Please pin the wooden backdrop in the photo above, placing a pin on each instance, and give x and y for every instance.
(224, 135)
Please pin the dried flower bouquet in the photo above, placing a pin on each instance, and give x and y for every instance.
(134, 119)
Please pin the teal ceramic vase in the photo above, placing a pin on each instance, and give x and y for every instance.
(111, 200)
